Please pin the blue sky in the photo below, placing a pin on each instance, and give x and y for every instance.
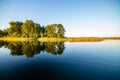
(79, 17)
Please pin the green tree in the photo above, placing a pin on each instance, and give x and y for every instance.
(31, 29)
(36, 30)
(15, 29)
(51, 30)
(60, 31)
(1, 33)
(55, 30)
(27, 28)
(5, 32)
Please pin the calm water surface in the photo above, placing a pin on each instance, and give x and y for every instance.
(60, 61)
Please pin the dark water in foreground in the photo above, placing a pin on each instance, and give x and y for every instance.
(60, 61)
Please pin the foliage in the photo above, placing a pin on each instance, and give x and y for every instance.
(3, 33)
(51, 30)
(61, 31)
(55, 30)
(29, 29)
(15, 29)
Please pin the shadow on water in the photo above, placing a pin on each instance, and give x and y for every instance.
(31, 48)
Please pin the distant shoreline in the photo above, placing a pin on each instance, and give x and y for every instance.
(67, 39)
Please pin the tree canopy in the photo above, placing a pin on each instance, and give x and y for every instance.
(30, 29)
(15, 29)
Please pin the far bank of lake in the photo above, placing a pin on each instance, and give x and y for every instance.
(66, 39)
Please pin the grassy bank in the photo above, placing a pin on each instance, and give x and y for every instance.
(84, 39)
(16, 39)
(52, 39)
(68, 39)
(71, 39)
(111, 38)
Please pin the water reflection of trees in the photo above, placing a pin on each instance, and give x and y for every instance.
(55, 48)
(31, 48)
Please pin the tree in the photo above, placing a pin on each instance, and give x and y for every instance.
(31, 29)
(5, 32)
(55, 30)
(1, 33)
(51, 30)
(36, 30)
(27, 28)
(61, 31)
(15, 29)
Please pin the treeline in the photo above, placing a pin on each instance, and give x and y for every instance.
(29, 29)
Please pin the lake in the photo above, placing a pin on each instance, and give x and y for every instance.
(60, 60)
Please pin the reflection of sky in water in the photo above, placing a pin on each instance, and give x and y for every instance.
(101, 58)
(83, 60)
(100, 52)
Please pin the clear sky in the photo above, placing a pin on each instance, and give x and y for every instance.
(79, 17)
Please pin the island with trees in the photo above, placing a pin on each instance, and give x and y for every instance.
(29, 30)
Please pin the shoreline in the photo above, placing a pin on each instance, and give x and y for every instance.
(16, 39)
(67, 39)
